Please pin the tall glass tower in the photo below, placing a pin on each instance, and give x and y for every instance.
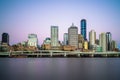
(83, 28)
(54, 36)
(108, 41)
(102, 41)
(65, 38)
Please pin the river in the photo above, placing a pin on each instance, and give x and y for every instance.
(59, 68)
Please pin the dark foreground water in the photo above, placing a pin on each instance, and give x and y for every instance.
(59, 68)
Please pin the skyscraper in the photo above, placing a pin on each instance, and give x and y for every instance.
(92, 38)
(108, 41)
(80, 41)
(113, 45)
(32, 40)
(97, 41)
(54, 36)
(5, 38)
(65, 38)
(83, 28)
(73, 36)
(102, 41)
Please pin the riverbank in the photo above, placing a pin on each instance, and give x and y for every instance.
(52, 53)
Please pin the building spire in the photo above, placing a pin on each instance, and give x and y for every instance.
(72, 24)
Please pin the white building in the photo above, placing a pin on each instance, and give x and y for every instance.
(73, 36)
(54, 36)
(92, 38)
(32, 40)
(102, 41)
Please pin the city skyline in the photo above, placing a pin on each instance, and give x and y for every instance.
(20, 18)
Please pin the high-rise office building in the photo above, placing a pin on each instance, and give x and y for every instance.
(32, 40)
(113, 45)
(83, 28)
(80, 41)
(65, 38)
(5, 38)
(97, 41)
(108, 41)
(102, 41)
(73, 36)
(54, 36)
(92, 38)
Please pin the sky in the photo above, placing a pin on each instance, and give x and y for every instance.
(22, 17)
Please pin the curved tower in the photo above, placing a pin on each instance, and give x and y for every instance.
(83, 28)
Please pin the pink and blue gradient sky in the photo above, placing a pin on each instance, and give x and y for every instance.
(22, 17)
